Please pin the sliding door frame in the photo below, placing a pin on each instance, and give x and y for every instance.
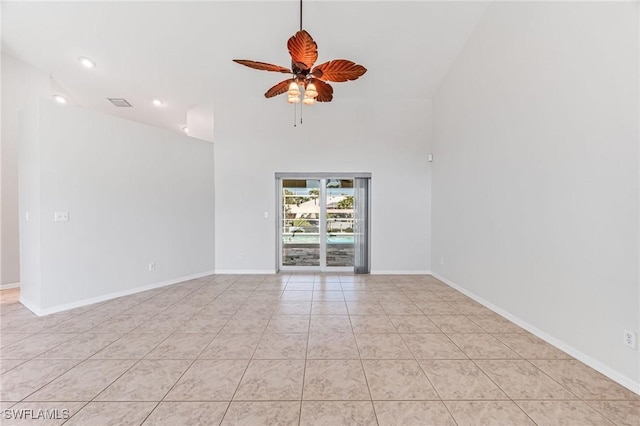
(323, 177)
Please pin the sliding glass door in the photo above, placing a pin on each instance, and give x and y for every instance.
(300, 223)
(338, 234)
(317, 224)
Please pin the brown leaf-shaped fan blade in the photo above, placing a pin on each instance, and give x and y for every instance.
(325, 91)
(262, 66)
(278, 89)
(303, 50)
(339, 70)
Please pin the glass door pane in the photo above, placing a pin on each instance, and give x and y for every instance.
(300, 226)
(339, 223)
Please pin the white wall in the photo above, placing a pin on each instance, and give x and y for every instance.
(200, 122)
(30, 256)
(135, 194)
(255, 138)
(20, 82)
(535, 182)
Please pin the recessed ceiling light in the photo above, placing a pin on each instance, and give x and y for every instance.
(60, 99)
(158, 102)
(86, 62)
(185, 129)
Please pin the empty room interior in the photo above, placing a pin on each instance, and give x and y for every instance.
(320, 213)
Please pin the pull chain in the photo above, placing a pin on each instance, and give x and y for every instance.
(294, 105)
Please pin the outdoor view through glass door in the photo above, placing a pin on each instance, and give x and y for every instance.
(317, 224)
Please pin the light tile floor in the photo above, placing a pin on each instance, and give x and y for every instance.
(294, 349)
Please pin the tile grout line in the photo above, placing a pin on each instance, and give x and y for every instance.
(304, 371)
(599, 410)
(242, 377)
(493, 381)
(373, 406)
(502, 390)
(115, 380)
(437, 392)
(425, 373)
(186, 369)
(123, 373)
(77, 335)
(244, 299)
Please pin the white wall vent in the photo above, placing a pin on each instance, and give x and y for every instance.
(119, 102)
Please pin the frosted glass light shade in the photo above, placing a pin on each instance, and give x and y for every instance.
(294, 90)
(293, 99)
(311, 91)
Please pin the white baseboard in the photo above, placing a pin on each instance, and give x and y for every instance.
(273, 271)
(72, 305)
(30, 306)
(405, 272)
(244, 271)
(580, 356)
(9, 286)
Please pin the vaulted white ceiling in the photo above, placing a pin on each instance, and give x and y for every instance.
(181, 52)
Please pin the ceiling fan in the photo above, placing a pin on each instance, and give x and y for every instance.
(307, 79)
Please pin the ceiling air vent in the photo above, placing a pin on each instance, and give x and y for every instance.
(119, 102)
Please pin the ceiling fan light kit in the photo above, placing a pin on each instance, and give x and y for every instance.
(293, 99)
(294, 89)
(313, 81)
(308, 84)
(311, 91)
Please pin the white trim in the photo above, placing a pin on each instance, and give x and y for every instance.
(30, 306)
(65, 307)
(405, 272)
(337, 269)
(316, 269)
(9, 286)
(323, 175)
(244, 271)
(577, 354)
(309, 269)
(323, 178)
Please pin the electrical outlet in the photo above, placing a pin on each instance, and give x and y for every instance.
(152, 266)
(241, 257)
(630, 339)
(61, 217)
